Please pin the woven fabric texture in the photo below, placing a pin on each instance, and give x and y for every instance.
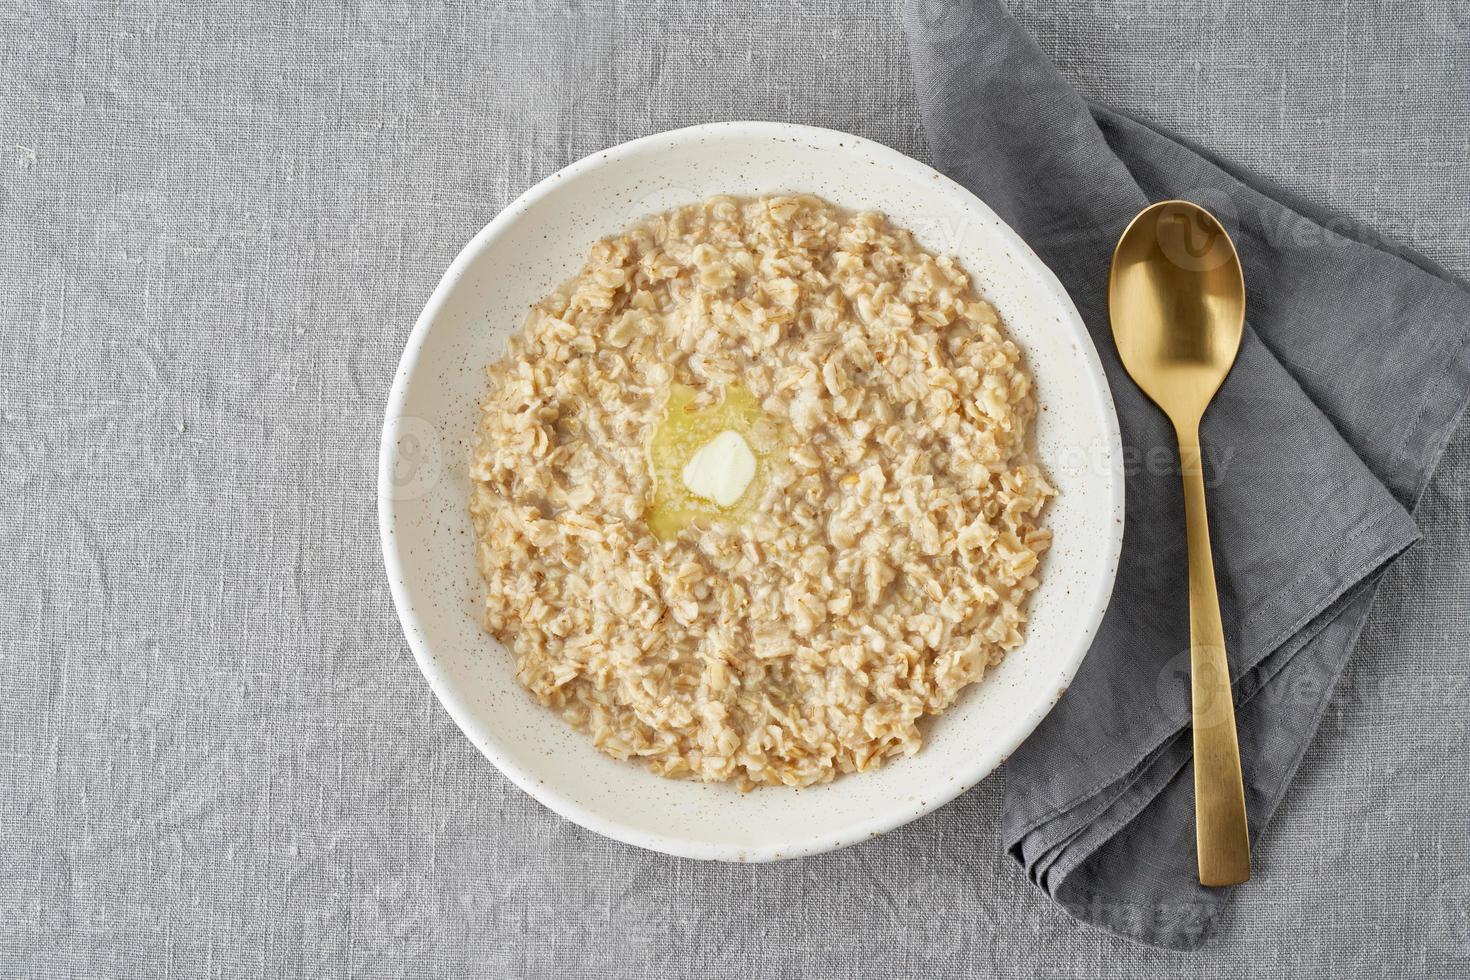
(216, 755)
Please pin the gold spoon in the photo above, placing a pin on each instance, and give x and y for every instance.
(1176, 297)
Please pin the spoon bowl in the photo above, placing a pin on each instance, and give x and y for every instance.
(1178, 280)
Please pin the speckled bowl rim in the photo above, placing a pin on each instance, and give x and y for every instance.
(1091, 608)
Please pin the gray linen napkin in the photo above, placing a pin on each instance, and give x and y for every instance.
(1353, 372)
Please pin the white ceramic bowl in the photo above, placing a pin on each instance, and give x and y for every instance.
(542, 239)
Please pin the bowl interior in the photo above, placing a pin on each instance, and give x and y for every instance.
(541, 240)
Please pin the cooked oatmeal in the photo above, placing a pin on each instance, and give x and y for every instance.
(877, 561)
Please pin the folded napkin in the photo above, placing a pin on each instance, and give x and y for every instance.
(1353, 372)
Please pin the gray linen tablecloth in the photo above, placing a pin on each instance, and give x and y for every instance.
(216, 755)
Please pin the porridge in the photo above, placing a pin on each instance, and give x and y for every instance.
(753, 492)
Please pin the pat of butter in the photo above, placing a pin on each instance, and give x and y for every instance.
(721, 469)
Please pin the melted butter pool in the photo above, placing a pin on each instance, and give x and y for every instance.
(686, 428)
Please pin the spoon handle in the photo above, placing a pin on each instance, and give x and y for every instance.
(1219, 796)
